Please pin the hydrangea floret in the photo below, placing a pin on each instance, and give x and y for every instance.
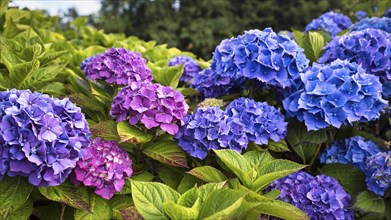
(331, 22)
(378, 173)
(261, 121)
(41, 137)
(354, 151)
(210, 128)
(334, 94)
(320, 197)
(212, 85)
(190, 67)
(271, 58)
(369, 47)
(374, 22)
(117, 66)
(151, 104)
(105, 167)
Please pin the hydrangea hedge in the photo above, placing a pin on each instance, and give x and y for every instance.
(100, 126)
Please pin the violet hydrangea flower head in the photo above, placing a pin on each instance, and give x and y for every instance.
(212, 85)
(335, 94)
(151, 104)
(41, 137)
(261, 121)
(378, 173)
(190, 67)
(371, 48)
(105, 167)
(320, 197)
(331, 22)
(209, 128)
(271, 58)
(117, 66)
(354, 151)
(374, 22)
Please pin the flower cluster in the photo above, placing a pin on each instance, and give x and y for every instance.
(209, 128)
(387, 13)
(369, 47)
(190, 67)
(117, 66)
(271, 58)
(361, 15)
(354, 151)
(41, 138)
(152, 104)
(331, 22)
(378, 173)
(86, 61)
(261, 121)
(320, 197)
(105, 166)
(335, 94)
(214, 85)
(374, 22)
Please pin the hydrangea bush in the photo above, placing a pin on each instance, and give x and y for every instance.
(330, 22)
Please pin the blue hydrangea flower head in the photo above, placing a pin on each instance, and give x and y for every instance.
(335, 94)
(374, 22)
(320, 197)
(354, 151)
(213, 85)
(261, 121)
(371, 48)
(360, 15)
(387, 13)
(41, 137)
(270, 58)
(378, 173)
(117, 66)
(331, 22)
(191, 67)
(209, 128)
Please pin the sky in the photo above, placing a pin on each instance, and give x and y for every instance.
(83, 7)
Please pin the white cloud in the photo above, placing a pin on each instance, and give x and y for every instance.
(55, 7)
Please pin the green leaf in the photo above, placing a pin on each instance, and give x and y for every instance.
(143, 176)
(313, 43)
(175, 211)
(274, 170)
(171, 176)
(67, 193)
(14, 192)
(149, 197)
(256, 159)
(208, 174)
(188, 181)
(188, 91)
(40, 76)
(49, 57)
(298, 35)
(132, 134)
(99, 209)
(87, 102)
(370, 202)
(56, 210)
(167, 152)
(280, 146)
(189, 198)
(20, 72)
(23, 212)
(3, 7)
(350, 178)
(281, 209)
(221, 203)
(236, 163)
(31, 52)
(119, 205)
(54, 88)
(106, 130)
(168, 75)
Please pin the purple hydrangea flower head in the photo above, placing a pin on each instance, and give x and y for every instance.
(117, 66)
(335, 94)
(331, 22)
(261, 121)
(209, 128)
(190, 67)
(371, 48)
(374, 22)
(360, 15)
(105, 167)
(214, 85)
(378, 173)
(85, 62)
(151, 104)
(271, 58)
(320, 197)
(354, 151)
(41, 137)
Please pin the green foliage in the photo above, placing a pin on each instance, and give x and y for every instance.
(312, 43)
(132, 134)
(168, 152)
(208, 174)
(369, 202)
(99, 209)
